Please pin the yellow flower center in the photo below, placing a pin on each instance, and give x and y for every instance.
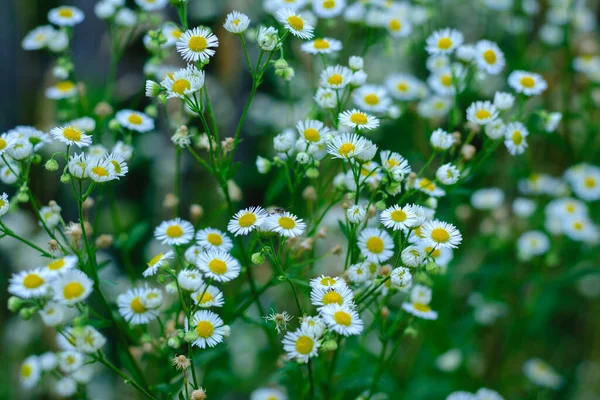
(335, 79)
(589, 182)
(342, 318)
(155, 259)
(395, 25)
(435, 253)
(197, 44)
(73, 290)
(174, 231)
(398, 216)
(421, 307)
(287, 223)
(176, 33)
(247, 220)
(214, 238)
(327, 281)
(180, 86)
(312, 135)
(116, 165)
(65, 12)
(2, 203)
(375, 244)
(217, 266)
(204, 298)
(2, 144)
(527, 81)
(482, 114)
(346, 148)
(578, 225)
(135, 119)
(65, 86)
(33, 281)
(295, 22)
(328, 4)
(446, 80)
(402, 87)
(304, 345)
(331, 298)
(440, 235)
(205, 329)
(444, 43)
(358, 118)
(321, 44)
(56, 264)
(137, 306)
(71, 133)
(517, 138)
(426, 184)
(489, 56)
(371, 99)
(26, 370)
(100, 171)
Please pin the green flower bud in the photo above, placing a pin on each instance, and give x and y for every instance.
(51, 165)
(14, 303)
(79, 321)
(190, 336)
(432, 268)
(22, 197)
(151, 110)
(114, 125)
(312, 173)
(380, 205)
(146, 338)
(36, 159)
(410, 331)
(162, 98)
(174, 342)
(258, 258)
(27, 313)
(65, 178)
(281, 64)
(329, 345)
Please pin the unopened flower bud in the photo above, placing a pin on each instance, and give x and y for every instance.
(431, 202)
(196, 212)
(457, 137)
(380, 205)
(64, 178)
(190, 336)
(312, 173)
(103, 110)
(114, 125)
(309, 193)
(227, 145)
(432, 268)
(51, 165)
(53, 246)
(14, 303)
(151, 110)
(27, 313)
(226, 331)
(36, 159)
(170, 201)
(468, 151)
(174, 342)
(385, 312)
(288, 74)
(257, 258)
(88, 203)
(198, 394)
(336, 250)
(322, 233)
(329, 345)
(281, 64)
(22, 197)
(372, 211)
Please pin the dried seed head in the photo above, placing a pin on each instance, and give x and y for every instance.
(170, 201)
(468, 151)
(309, 193)
(104, 241)
(336, 250)
(196, 212)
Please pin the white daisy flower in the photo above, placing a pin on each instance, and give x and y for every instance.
(30, 284)
(442, 255)
(30, 372)
(528, 83)
(71, 136)
(429, 187)
(152, 5)
(183, 82)
(328, 8)
(542, 374)
(446, 81)
(301, 345)
(487, 198)
(312, 131)
(208, 296)
(503, 100)
(313, 325)
(156, 262)
(60, 265)
(325, 98)
(208, 326)
(437, 63)
(398, 25)
(9, 174)
(404, 87)
(246, 220)
(444, 41)
(192, 253)
(342, 319)
(78, 166)
(412, 256)
(196, 44)
(20, 149)
(122, 150)
(236, 23)
(72, 287)
(190, 279)
(152, 298)
(533, 243)
(320, 297)
(447, 174)
(356, 214)
(54, 314)
(327, 282)
(38, 38)
(268, 394)
(515, 135)
(394, 163)
(376, 245)
(4, 204)
(286, 224)
(441, 234)
(358, 273)
(62, 90)
(420, 297)
(88, 339)
(398, 218)
(218, 265)
(336, 77)
(120, 167)
(586, 183)
(347, 145)
(132, 308)
(66, 16)
(135, 121)
(6, 142)
(70, 361)
(213, 239)
(175, 232)
(481, 112)
(295, 23)
(401, 277)
(441, 140)
(100, 170)
(489, 57)
(495, 129)
(371, 98)
(322, 46)
(358, 119)
(172, 34)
